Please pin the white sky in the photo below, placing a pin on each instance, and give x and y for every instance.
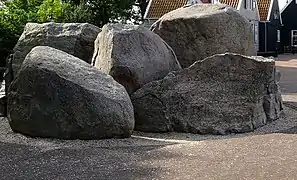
(282, 3)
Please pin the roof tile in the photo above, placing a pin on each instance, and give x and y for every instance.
(232, 3)
(263, 6)
(160, 7)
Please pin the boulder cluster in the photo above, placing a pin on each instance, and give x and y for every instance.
(194, 71)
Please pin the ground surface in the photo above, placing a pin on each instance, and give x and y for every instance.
(268, 153)
(287, 64)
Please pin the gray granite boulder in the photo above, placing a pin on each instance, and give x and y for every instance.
(273, 104)
(133, 55)
(221, 94)
(60, 96)
(76, 39)
(199, 31)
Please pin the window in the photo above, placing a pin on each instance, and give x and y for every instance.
(294, 38)
(254, 4)
(193, 1)
(278, 35)
(248, 4)
(255, 32)
(255, 29)
(252, 27)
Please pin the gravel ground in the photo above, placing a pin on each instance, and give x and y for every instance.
(267, 153)
(285, 124)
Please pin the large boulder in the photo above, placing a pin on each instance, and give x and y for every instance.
(58, 95)
(133, 55)
(76, 39)
(221, 94)
(201, 30)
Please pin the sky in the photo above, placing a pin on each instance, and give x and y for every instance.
(282, 3)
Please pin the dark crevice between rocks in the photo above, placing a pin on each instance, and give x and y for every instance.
(272, 103)
(266, 106)
(124, 76)
(95, 57)
(173, 123)
(162, 127)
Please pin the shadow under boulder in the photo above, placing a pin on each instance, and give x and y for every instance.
(221, 94)
(60, 96)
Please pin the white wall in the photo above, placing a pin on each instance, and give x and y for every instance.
(251, 14)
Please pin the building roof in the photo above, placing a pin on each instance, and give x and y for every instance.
(157, 8)
(263, 7)
(232, 3)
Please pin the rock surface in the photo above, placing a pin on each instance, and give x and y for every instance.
(133, 55)
(76, 39)
(199, 31)
(60, 96)
(273, 104)
(221, 94)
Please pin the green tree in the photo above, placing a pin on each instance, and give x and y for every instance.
(105, 11)
(14, 14)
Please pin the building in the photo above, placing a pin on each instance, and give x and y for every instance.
(157, 8)
(288, 33)
(269, 27)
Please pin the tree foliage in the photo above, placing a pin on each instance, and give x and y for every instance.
(104, 11)
(14, 14)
